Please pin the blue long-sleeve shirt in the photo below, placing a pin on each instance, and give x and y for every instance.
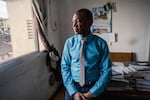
(97, 63)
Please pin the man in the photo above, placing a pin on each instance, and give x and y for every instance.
(97, 64)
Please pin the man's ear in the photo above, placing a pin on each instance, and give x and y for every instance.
(90, 22)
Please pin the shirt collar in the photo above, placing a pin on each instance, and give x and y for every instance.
(88, 38)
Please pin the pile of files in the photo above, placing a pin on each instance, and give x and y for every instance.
(129, 76)
(121, 79)
(142, 77)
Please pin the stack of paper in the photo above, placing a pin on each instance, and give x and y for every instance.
(142, 80)
(139, 67)
(130, 76)
(118, 81)
(118, 72)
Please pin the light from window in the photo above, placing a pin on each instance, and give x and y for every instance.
(17, 36)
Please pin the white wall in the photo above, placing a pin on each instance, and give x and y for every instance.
(149, 51)
(26, 78)
(149, 38)
(130, 22)
(65, 19)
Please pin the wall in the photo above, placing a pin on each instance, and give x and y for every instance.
(53, 25)
(130, 22)
(149, 40)
(65, 19)
(26, 78)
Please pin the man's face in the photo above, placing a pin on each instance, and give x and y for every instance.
(79, 24)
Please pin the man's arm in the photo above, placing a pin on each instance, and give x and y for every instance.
(66, 71)
(106, 75)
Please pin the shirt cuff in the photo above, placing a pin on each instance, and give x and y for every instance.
(93, 93)
(71, 90)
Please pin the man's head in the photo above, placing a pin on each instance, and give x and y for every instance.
(82, 21)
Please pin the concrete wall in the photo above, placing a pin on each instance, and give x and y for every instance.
(130, 22)
(26, 78)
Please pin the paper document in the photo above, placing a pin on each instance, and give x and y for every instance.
(139, 67)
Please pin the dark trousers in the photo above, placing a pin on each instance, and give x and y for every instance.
(83, 89)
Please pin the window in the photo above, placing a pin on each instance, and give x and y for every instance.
(17, 36)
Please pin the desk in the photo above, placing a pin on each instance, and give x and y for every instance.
(127, 89)
(118, 92)
(125, 95)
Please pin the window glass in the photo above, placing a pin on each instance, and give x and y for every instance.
(17, 36)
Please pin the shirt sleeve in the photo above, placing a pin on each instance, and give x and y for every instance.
(106, 74)
(66, 71)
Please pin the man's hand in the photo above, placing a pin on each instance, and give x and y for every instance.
(79, 96)
(88, 96)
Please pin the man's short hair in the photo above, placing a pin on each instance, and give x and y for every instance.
(86, 13)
